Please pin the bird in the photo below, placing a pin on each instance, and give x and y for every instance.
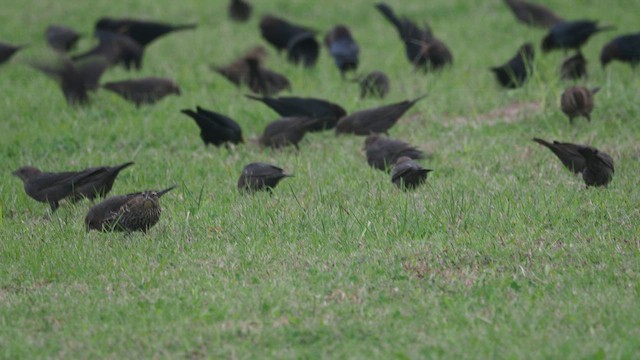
(578, 101)
(305, 107)
(298, 41)
(375, 120)
(239, 10)
(61, 38)
(215, 128)
(303, 49)
(53, 187)
(383, 152)
(263, 81)
(422, 49)
(143, 32)
(574, 67)
(143, 91)
(408, 174)
(7, 51)
(515, 72)
(533, 14)
(343, 48)
(374, 84)
(286, 131)
(260, 176)
(570, 34)
(74, 78)
(117, 49)
(132, 212)
(595, 166)
(625, 48)
(237, 71)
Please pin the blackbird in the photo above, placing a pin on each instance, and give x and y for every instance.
(343, 48)
(533, 14)
(143, 91)
(375, 84)
(239, 10)
(117, 49)
(382, 152)
(515, 72)
(303, 49)
(578, 101)
(260, 176)
(408, 174)
(143, 32)
(264, 81)
(570, 34)
(305, 107)
(298, 41)
(215, 128)
(132, 212)
(7, 51)
(625, 48)
(61, 38)
(238, 71)
(286, 131)
(376, 120)
(574, 67)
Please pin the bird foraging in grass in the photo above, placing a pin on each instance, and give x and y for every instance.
(343, 48)
(578, 101)
(533, 14)
(143, 91)
(260, 176)
(574, 67)
(382, 153)
(569, 35)
(408, 174)
(143, 32)
(515, 72)
(375, 120)
(215, 128)
(625, 48)
(290, 106)
(239, 10)
(375, 84)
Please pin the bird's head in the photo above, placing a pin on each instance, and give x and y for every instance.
(606, 56)
(26, 172)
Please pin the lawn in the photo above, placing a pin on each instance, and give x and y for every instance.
(503, 254)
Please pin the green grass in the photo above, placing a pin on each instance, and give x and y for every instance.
(503, 254)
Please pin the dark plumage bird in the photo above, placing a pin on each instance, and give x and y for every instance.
(239, 10)
(260, 176)
(215, 128)
(264, 81)
(570, 34)
(625, 48)
(574, 67)
(533, 14)
(143, 91)
(7, 51)
(143, 32)
(61, 38)
(305, 107)
(343, 48)
(74, 78)
(238, 70)
(422, 48)
(595, 166)
(578, 101)
(117, 49)
(375, 84)
(132, 212)
(382, 152)
(286, 131)
(75, 185)
(373, 121)
(408, 174)
(515, 72)
(299, 41)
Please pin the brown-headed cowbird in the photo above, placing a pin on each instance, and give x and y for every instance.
(260, 176)
(61, 38)
(382, 152)
(533, 14)
(239, 10)
(7, 51)
(215, 128)
(625, 48)
(132, 212)
(299, 41)
(238, 70)
(343, 48)
(574, 67)
(74, 78)
(408, 174)
(143, 91)
(264, 81)
(570, 34)
(423, 49)
(117, 49)
(595, 166)
(286, 131)
(578, 101)
(375, 84)
(374, 121)
(143, 32)
(515, 72)
(100, 183)
(305, 107)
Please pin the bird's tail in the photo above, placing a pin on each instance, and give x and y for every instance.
(419, 98)
(542, 142)
(595, 90)
(185, 27)
(162, 192)
(605, 28)
(389, 15)
(123, 166)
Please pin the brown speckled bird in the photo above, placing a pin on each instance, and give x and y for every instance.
(374, 121)
(132, 212)
(408, 174)
(375, 84)
(264, 81)
(238, 70)
(260, 176)
(143, 91)
(578, 101)
(574, 67)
